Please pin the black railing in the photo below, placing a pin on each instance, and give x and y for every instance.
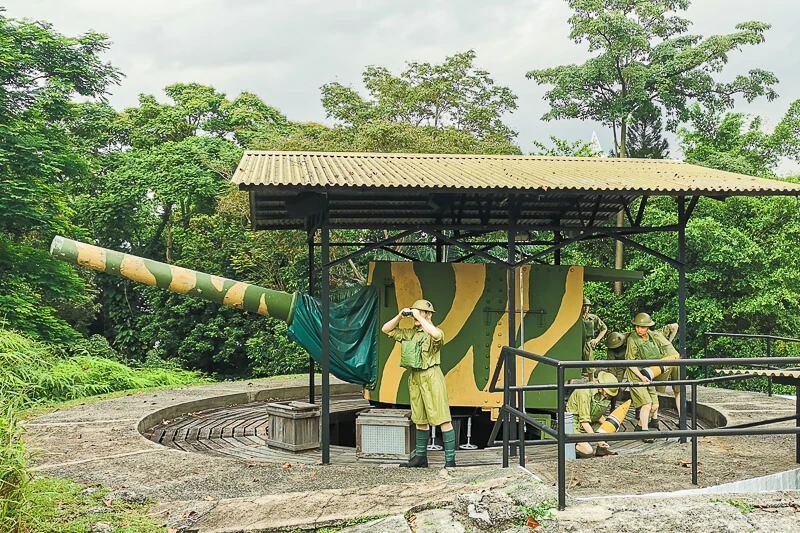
(769, 347)
(562, 439)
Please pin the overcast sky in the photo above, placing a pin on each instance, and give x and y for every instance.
(285, 50)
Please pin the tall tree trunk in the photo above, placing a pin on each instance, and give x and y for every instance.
(619, 257)
(165, 216)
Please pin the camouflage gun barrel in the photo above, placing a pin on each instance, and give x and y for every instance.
(266, 302)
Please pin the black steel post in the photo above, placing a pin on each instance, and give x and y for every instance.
(562, 452)
(796, 422)
(694, 438)
(521, 431)
(557, 253)
(705, 353)
(769, 378)
(682, 322)
(326, 345)
(506, 401)
(311, 266)
(511, 361)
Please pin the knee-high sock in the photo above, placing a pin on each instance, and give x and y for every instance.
(449, 440)
(422, 442)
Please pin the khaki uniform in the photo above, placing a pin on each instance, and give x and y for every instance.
(592, 325)
(618, 354)
(426, 386)
(655, 347)
(587, 405)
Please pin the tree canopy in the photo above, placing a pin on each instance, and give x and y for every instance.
(644, 56)
(153, 180)
(453, 94)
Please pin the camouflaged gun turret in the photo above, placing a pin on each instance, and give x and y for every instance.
(471, 301)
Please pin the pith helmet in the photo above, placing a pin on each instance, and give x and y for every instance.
(615, 339)
(587, 301)
(643, 319)
(423, 305)
(606, 378)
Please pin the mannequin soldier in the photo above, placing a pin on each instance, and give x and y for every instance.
(593, 331)
(589, 406)
(647, 345)
(616, 344)
(426, 385)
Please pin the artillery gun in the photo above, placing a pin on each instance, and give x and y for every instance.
(471, 300)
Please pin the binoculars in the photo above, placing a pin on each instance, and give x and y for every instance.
(407, 313)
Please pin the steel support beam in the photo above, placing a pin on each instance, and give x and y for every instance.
(326, 346)
(311, 265)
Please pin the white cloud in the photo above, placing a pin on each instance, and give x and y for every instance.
(284, 51)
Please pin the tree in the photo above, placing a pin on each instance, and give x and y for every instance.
(645, 57)
(383, 137)
(454, 94)
(733, 142)
(646, 60)
(41, 71)
(563, 148)
(645, 139)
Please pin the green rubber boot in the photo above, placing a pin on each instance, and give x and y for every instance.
(420, 460)
(449, 441)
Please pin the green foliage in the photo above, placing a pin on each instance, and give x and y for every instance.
(40, 296)
(644, 58)
(34, 373)
(541, 511)
(645, 138)
(740, 504)
(454, 93)
(40, 72)
(563, 148)
(732, 142)
(271, 353)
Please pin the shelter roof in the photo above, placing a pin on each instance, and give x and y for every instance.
(404, 190)
(788, 372)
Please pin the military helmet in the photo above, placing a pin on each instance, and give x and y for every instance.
(587, 301)
(614, 339)
(607, 378)
(423, 305)
(643, 319)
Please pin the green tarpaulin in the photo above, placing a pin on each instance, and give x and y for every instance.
(353, 339)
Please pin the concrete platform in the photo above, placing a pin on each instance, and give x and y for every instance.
(100, 443)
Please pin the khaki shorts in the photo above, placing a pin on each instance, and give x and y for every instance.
(428, 393)
(673, 373)
(579, 427)
(641, 395)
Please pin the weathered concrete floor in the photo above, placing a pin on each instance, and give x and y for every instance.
(98, 443)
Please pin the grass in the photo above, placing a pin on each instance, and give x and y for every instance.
(56, 505)
(334, 529)
(14, 475)
(741, 505)
(33, 373)
(539, 512)
(33, 378)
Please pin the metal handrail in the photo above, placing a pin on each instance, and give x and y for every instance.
(562, 439)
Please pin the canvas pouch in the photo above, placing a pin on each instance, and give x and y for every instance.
(411, 353)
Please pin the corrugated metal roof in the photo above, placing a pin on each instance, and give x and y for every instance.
(494, 172)
(768, 373)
